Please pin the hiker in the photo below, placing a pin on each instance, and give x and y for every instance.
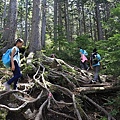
(15, 65)
(83, 59)
(95, 65)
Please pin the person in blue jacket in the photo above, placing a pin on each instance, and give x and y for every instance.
(95, 65)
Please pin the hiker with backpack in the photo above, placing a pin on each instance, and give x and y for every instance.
(12, 57)
(95, 65)
(83, 59)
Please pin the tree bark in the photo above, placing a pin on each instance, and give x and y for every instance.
(11, 25)
(107, 9)
(55, 19)
(26, 22)
(79, 17)
(67, 25)
(35, 42)
(83, 14)
(43, 22)
(4, 14)
(99, 24)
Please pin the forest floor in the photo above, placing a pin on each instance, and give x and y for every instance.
(93, 97)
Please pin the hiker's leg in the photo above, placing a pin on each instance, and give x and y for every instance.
(17, 75)
(82, 65)
(15, 84)
(85, 65)
(99, 79)
(96, 72)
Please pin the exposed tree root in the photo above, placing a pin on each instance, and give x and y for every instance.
(53, 92)
(100, 108)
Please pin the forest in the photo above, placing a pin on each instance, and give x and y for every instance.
(56, 88)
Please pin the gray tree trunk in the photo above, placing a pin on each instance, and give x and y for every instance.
(107, 9)
(91, 27)
(4, 14)
(55, 18)
(35, 42)
(99, 24)
(83, 14)
(67, 24)
(11, 25)
(26, 22)
(43, 22)
(79, 18)
(94, 28)
(60, 24)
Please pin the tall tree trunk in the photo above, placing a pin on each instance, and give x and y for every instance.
(94, 27)
(67, 25)
(107, 9)
(79, 17)
(55, 18)
(4, 14)
(99, 24)
(83, 14)
(35, 42)
(60, 24)
(91, 26)
(26, 22)
(43, 22)
(60, 32)
(11, 25)
(21, 19)
(71, 22)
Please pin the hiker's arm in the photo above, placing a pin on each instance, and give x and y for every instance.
(12, 61)
(91, 63)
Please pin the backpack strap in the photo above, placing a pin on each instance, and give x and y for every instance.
(15, 54)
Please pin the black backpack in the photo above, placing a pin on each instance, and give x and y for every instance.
(94, 59)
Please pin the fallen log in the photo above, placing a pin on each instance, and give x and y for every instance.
(91, 90)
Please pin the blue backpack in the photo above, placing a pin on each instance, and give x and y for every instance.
(6, 58)
(85, 53)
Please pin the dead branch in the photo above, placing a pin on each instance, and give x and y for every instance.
(104, 89)
(55, 112)
(61, 74)
(26, 102)
(75, 107)
(100, 108)
(39, 114)
(12, 91)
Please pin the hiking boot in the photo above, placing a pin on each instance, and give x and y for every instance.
(92, 82)
(7, 86)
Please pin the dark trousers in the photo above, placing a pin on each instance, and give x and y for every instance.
(96, 73)
(83, 65)
(16, 76)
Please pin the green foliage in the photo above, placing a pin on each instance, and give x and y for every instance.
(103, 118)
(69, 51)
(3, 114)
(109, 50)
(68, 69)
(113, 24)
(28, 70)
